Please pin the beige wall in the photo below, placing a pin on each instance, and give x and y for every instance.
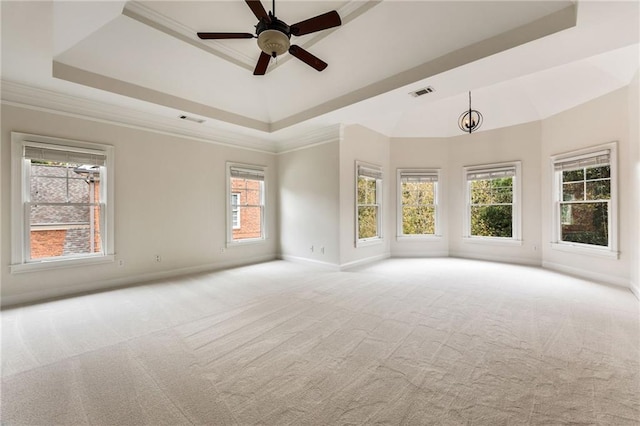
(516, 143)
(361, 144)
(432, 153)
(309, 185)
(155, 215)
(596, 122)
(170, 200)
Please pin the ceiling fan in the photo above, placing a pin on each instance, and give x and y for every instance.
(274, 35)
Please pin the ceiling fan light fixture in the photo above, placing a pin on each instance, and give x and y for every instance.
(273, 42)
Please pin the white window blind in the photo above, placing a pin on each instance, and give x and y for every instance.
(418, 177)
(65, 155)
(251, 174)
(588, 160)
(483, 174)
(370, 172)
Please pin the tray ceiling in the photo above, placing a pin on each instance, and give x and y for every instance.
(146, 56)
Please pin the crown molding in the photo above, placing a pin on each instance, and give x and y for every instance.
(46, 100)
(30, 97)
(332, 133)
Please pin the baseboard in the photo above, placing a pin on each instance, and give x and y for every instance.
(366, 260)
(115, 283)
(414, 255)
(590, 275)
(311, 262)
(493, 258)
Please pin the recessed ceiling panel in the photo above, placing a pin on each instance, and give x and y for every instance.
(127, 50)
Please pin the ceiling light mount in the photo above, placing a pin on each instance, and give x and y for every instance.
(273, 36)
(470, 120)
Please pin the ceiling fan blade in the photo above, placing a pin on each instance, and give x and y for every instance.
(258, 9)
(307, 57)
(318, 23)
(219, 36)
(263, 63)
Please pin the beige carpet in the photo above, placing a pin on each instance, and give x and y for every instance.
(430, 341)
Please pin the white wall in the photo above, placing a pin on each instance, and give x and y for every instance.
(516, 143)
(596, 122)
(431, 153)
(362, 144)
(169, 200)
(309, 184)
(634, 167)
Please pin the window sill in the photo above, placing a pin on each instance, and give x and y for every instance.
(369, 242)
(246, 242)
(46, 265)
(498, 241)
(586, 250)
(419, 238)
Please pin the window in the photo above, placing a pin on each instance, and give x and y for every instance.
(493, 206)
(235, 210)
(246, 203)
(584, 196)
(368, 203)
(417, 203)
(61, 192)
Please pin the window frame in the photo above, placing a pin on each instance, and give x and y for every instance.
(516, 209)
(251, 168)
(235, 224)
(361, 242)
(400, 235)
(609, 251)
(20, 197)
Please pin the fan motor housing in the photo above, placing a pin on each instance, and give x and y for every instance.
(273, 37)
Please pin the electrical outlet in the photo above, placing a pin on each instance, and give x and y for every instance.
(311, 249)
(120, 263)
(222, 249)
(158, 258)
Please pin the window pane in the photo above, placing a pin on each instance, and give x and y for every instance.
(246, 208)
(250, 224)
(491, 221)
(573, 191)
(416, 193)
(366, 190)
(367, 221)
(418, 220)
(492, 191)
(481, 192)
(599, 190)
(585, 223)
(572, 175)
(62, 184)
(599, 172)
(503, 190)
(64, 230)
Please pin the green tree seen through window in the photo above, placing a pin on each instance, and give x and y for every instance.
(418, 207)
(492, 207)
(367, 207)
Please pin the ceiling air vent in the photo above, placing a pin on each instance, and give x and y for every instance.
(422, 91)
(195, 120)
